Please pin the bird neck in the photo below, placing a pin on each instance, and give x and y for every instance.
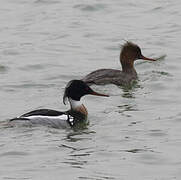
(127, 62)
(127, 66)
(78, 106)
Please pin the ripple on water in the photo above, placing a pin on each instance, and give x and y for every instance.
(98, 176)
(138, 150)
(59, 32)
(152, 158)
(31, 67)
(27, 85)
(127, 107)
(162, 57)
(14, 153)
(112, 48)
(11, 52)
(90, 7)
(157, 132)
(3, 69)
(46, 2)
(156, 9)
(130, 89)
(77, 154)
(162, 73)
(78, 135)
(90, 35)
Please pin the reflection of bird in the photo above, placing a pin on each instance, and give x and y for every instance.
(77, 114)
(129, 53)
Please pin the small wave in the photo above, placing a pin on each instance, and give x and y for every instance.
(127, 107)
(162, 73)
(90, 8)
(3, 68)
(35, 67)
(158, 9)
(10, 52)
(46, 2)
(28, 85)
(14, 153)
(162, 57)
(137, 150)
(157, 132)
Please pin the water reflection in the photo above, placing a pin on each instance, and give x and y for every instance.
(77, 154)
(127, 107)
(130, 89)
(78, 135)
(53, 41)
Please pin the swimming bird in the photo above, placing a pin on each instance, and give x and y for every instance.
(129, 53)
(75, 116)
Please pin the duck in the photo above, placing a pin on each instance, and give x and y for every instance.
(130, 52)
(74, 117)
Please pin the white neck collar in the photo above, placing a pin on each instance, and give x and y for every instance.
(74, 104)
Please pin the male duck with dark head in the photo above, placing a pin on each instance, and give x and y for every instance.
(129, 53)
(77, 115)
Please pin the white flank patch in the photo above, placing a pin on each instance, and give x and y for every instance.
(51, 121)
(61, 117)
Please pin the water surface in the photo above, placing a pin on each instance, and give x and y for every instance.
(134, 134)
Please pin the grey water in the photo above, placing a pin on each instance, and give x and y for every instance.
(133, 134)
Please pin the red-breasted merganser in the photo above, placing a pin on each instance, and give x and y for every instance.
(77, 115)
(129, 53)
